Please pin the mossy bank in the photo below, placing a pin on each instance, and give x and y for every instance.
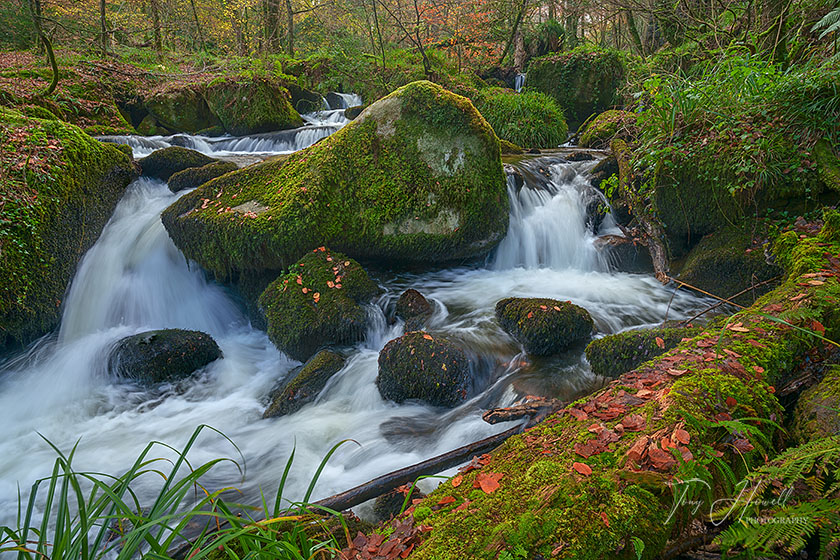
(58, 187)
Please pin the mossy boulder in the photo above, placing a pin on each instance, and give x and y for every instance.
(606, 126)
(197, 176)
(583, 81)
(59, 187)
(181, 109)
(163, 164)
(307, 381)
(150, 126)
(624, 254)
(728, 262)
(828, 164)
(615, 354)
(413, 308)
(417, 177)
(351, 113)
(817, 412)
(251, 106)
(544, 326)
(419, 366)
(163, 355)
(317, 303)
(509, 148)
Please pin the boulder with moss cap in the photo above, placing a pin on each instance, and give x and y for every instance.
(307, 381)
(543, 326)
(163, 164)
(416, 177)
(317, 303)
(197, 176)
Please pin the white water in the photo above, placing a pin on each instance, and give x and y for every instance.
(134, 279)
(519, 82)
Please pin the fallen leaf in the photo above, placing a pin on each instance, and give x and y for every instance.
(682, 436)
(731, 402)
(428, 337)
(605, 519)
(578, 414)
(582, 468)
(677, 372)
(633, 423)
(488, 482)
(457, 480)
(660, 343)
(742, 445)
(446, 501)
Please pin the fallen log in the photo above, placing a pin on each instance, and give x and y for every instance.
(535, 410)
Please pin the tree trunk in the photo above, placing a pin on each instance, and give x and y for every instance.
(35, 13)
(513, 31)
(155, 9)
(634, 32)
(290, 29)
(378, 33)
(103, 27)
(519, 51)
(197, 26)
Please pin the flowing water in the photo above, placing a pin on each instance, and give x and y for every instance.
(134, 279)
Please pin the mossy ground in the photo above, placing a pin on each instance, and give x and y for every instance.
(58, 188)
(615, 354)
(563, 494)
(418, 176)
(317, 303)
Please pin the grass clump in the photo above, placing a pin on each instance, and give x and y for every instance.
(530, 119)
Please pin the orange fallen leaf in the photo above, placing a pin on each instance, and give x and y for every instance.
(457, 480)
(731, 402)
(660, 343)
(428, 336)
(488, 482)
(605, 519)
(582, 468)
(682, 436)
(446, 501)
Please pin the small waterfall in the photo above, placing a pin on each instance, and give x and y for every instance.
(548, 218)
(343, 100)
(519, 82)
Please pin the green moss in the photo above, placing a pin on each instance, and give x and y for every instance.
(817, 412)
(509, 148)
(163, 164)
(606, 126)
(529, 119)
(728, 262)
(251, 106)
(799, 256)
(59, 189)
(583, 81)
(149, 126)
(197, 176)
(306, 383)
(543, 326)
(181, 109)
(417, 177)
(828, 164)
(615, 354)
(317, 303)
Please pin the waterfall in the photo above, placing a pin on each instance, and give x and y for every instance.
(548, 218)
(519, 82)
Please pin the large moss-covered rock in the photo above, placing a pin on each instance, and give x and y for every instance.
(58, 188)
(543, 326)
(828, 164)
(583, 81)
(416, 177)
(413, 308)
(606, 126)
(817, 412)
(307, 381)
(615, 354)
(251, 105)
(182, 109)
(197, 176)
(423, 367)
(163, 164)
(728, 262)
(318, 302)
(164, 355)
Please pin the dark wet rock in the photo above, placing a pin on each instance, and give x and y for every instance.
(419, 366)
(163, 355)
(625, 254)
(318, 303)
(197, 176)
(162, 164)
(353, 112)
(413, 308)
(580, 156)
(543, 326)
(615, 354)
(391, 503)
(603, 170)
(307, 381)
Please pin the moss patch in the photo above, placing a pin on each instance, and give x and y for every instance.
(606, 126)
(817, 412)
(416, 177)
(197, 176)
(163, 164)
(317, 303)
(251, 106)
(58, 188)
(615, 354)
(307, 382)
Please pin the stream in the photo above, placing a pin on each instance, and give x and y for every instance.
(134, 279)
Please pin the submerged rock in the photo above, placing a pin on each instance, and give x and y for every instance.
(59, 187)
(420, 366)
(817, 412)
(543, 326)
(615, 354)
(416, 177)
(728, 262)
(197, 176)
(163, 355)
(307, 381)
(317, 303)
(414, 309)
(162, 164)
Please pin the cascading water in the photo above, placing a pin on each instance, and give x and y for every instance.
(134, 279)
(519, 82)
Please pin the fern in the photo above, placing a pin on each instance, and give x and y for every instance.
(787, 503)
(830, 23)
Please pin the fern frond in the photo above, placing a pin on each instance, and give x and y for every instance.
(830, 23)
